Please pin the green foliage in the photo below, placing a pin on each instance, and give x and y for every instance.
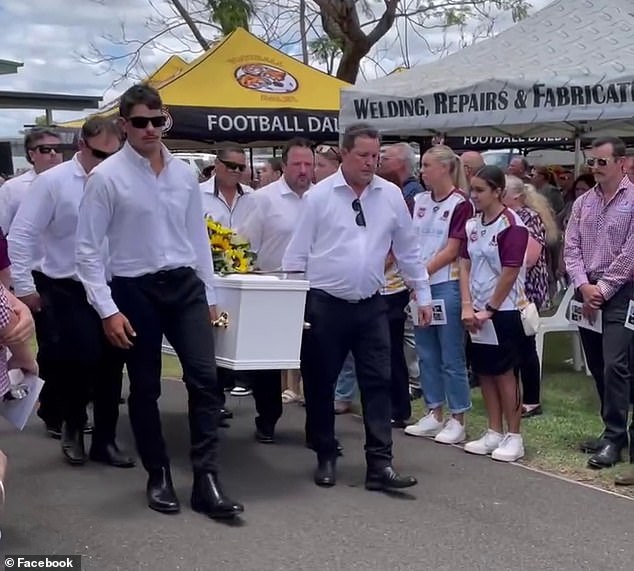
(231, 14)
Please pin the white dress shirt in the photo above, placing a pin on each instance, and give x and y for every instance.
(47, 217)
(270, 225)
(11, 195)
(215, 205)
(347, 260)
(152, 223)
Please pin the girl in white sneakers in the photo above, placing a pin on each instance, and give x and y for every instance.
(439, 219)
(492, 274)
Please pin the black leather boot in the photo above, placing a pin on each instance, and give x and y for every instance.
(325, 474)
(209, 499)
(73, 446)
(161, 496)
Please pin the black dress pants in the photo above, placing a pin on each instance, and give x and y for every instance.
(171, 303)
(337, 327)
(608, 358)
(396, 304)
(267, 393)
(77, 358)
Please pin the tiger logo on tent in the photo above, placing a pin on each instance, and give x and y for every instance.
(265, 78)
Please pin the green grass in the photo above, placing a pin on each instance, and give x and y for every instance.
(552, 439)
(570, 415)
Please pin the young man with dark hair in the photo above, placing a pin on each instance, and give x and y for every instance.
(146, 204)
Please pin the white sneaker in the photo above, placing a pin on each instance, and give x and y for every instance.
(426, 426)
(510, 449)
(240, 392)
(489, 442)
(452, 433)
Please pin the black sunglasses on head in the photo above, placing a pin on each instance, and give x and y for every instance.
(142, 122)
(360, 218)
(233, 166)
(46, 149)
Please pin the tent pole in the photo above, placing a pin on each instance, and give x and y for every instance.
(578, 157)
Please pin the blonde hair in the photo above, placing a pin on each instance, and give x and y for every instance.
(445, 155)
(536, 202)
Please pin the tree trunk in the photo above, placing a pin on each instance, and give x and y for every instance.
(302, 30)
(204, 44)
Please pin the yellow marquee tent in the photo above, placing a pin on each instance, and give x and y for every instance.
(245, 91)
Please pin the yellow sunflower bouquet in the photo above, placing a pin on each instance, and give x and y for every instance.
(231, 252)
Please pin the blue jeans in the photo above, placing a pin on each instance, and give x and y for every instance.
(347, 381)
(441, 351)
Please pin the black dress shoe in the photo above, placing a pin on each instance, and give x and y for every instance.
(399, 423)
(387, 479)
(338, 446)
(209, 499)
(591, 445)
(529, 413)
(121, 400)
(325, 473)
(73, 446)
(264, 436)
(226, 414)
(54, 431)
(112, 455)
(161, 496)
(607, 456)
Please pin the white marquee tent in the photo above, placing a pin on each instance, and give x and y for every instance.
(565, 70)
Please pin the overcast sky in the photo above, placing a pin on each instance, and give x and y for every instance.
(49, 37)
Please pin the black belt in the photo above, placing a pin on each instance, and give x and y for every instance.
(325, 295)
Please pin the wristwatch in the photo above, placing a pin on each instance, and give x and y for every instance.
(492, 310)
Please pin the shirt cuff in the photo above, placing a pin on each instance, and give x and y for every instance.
(211, 295)
(107, 308)
(606, 291)
(423, 296)
(580, 280)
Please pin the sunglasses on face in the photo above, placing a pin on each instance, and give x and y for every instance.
(142, 122)
(97, 153)
(360, 218)
(591, 162)
(46, 149)
(233, 166)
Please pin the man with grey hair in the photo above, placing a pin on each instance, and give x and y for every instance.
(472, 161)
(400, 160)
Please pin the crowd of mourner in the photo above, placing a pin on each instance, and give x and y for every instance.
(425, 280)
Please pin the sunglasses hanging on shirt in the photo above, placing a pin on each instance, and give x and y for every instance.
(360, 218)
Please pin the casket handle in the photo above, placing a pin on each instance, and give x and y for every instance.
(307, 325)
(222, 321)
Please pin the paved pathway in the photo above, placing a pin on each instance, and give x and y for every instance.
(467, 512)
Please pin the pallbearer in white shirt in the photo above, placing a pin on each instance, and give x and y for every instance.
(350, 221)
(147, 204)
(224, 199)
(492, 274)
(77, 360)
(269, 228)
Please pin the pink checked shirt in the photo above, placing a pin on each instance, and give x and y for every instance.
(5, 319)
(600, 239)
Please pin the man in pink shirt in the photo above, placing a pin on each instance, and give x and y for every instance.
(599, 257)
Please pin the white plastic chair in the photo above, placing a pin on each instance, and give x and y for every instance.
(559, 323)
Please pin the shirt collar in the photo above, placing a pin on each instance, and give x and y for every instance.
(134, 156)
(216, 191)
(78, 169)
(339, 181)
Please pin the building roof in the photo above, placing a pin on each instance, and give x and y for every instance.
(32, 100)
(9, 66)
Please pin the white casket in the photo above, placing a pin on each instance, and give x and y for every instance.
(262, 320)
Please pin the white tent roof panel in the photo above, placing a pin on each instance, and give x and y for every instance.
(568, 66)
